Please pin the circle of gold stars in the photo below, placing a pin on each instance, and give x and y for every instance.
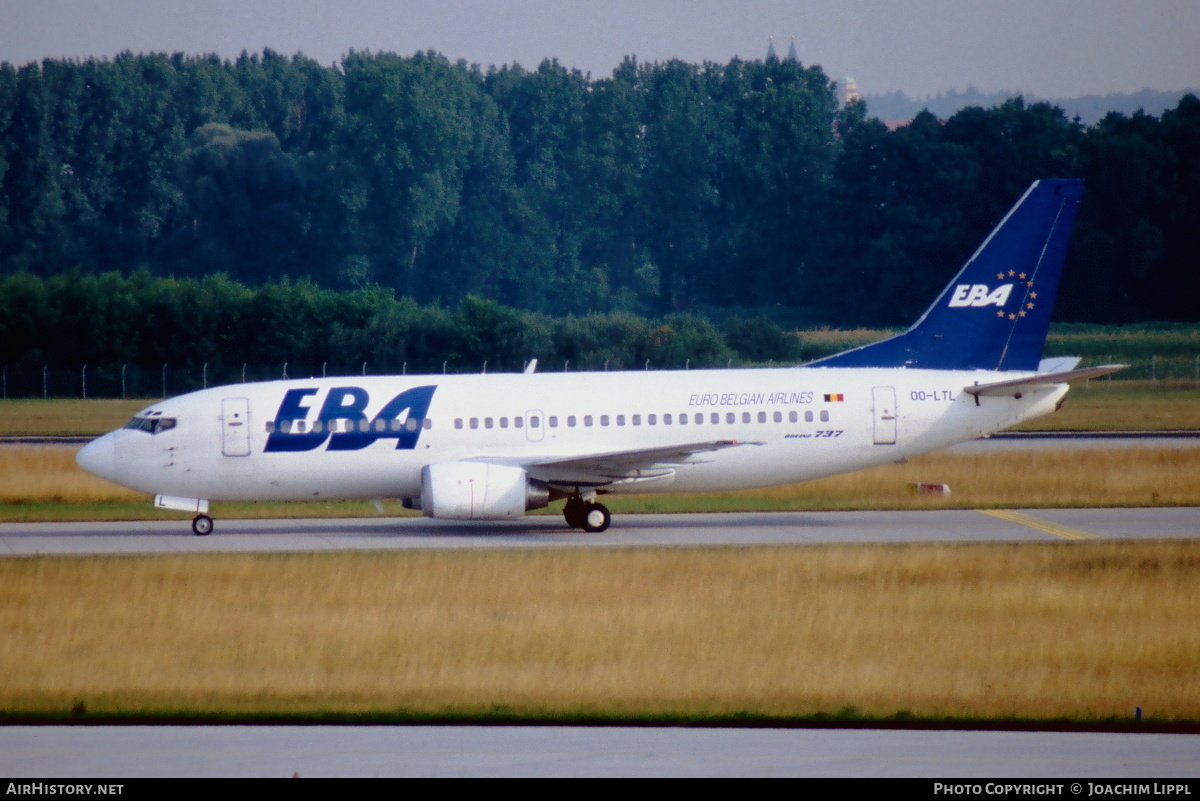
(1030, 295)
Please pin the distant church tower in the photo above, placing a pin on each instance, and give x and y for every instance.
(849, 90)
(771, 48)
(792, 51)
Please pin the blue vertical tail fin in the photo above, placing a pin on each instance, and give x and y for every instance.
(995, 313)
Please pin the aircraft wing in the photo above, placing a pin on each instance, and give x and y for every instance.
(1039, 381)
(627, 466)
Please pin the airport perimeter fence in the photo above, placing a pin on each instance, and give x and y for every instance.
(133, 381)
(1177, 370)
(114, 381)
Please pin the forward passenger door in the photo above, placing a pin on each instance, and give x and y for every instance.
(235, 427)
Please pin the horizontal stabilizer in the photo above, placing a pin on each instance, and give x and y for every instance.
(1040, 381)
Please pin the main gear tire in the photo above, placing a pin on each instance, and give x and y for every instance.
(596, 518)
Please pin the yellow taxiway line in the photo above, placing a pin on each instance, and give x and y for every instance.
(1066, 532)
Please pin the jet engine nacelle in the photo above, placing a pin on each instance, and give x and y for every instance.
(478, 491)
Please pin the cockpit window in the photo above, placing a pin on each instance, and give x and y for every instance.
(155, 425)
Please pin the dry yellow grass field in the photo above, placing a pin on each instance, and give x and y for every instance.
(1042, 631)
(1104, 405)
(31, 474)
(63, 416)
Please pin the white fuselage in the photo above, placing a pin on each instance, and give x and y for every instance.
(796, 423)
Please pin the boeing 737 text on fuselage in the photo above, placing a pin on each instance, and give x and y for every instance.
(491, 447)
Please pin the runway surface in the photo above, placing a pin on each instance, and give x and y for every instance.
(173, 535)
(312, 751)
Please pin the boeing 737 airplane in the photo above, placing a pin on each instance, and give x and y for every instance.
(492, 447)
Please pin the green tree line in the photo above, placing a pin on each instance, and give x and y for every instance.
(712, 190)
(144, 335)
(215, 323)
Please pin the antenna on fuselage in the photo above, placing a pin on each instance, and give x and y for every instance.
(531, 367)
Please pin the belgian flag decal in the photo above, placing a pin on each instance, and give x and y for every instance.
(836, 397)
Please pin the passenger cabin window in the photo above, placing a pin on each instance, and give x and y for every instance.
(587, 420)
(762, 417)
(570, 421)
(778, 417)
(808, 417)
(620, 419)
(604, 419)
(458, 422)
(488, 422)
(518, 422)
(666, 420)
(716, 418)
(824, 416)
(504, 422)
(552, 421)
(474, 422)
(535, 421)
(636, 420)
(651, 419)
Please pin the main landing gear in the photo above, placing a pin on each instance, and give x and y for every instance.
(588, 515)
(202, 525)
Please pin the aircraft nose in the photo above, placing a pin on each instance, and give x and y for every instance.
(99, 458)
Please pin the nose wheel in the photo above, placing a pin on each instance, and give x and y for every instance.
(202, 525)
(590, 516)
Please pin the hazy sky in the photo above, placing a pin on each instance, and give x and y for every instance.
(1051, 48)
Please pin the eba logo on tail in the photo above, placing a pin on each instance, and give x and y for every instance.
(978, 295)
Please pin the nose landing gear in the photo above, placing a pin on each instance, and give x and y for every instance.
(202, 524)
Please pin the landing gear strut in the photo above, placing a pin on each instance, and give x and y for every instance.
(587, 515)
(202, 525)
